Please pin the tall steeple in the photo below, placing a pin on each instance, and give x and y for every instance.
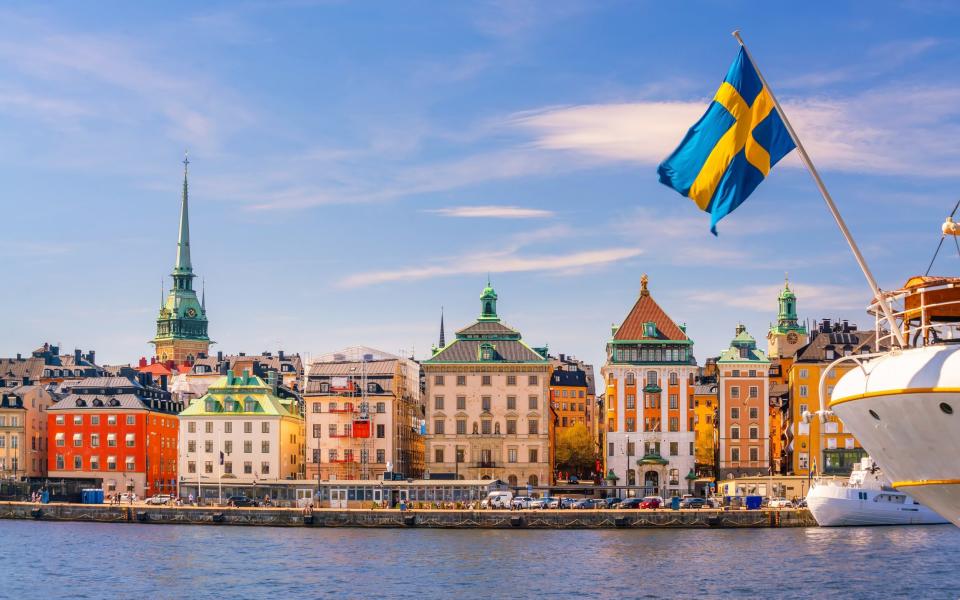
(183, 266)
(443, 341)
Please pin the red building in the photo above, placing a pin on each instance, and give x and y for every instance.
(118, 431)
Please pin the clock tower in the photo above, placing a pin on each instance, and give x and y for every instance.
(182, 322)
(787, 335)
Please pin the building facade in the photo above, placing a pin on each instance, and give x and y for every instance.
(649, 375)
(744, 418)
(240, 431)
(23, 430)
(487, 404)
(182, 323)
(118, 430)
(706, 399)
(363, 414)
(826, 448)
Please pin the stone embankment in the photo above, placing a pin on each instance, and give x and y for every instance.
(439, 519)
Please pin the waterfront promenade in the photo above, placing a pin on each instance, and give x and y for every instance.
(429, 518)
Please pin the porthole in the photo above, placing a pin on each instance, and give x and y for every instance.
(873, 414)
(946, 408)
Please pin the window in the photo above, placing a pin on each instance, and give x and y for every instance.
(533, 403)
(651, 378)
(111, 419)
(511, 380)
(461, 427)
(78, 462)
(533, 455)
(485, 403)
(734, 433)
(247, 447)
(438, 380)
(131, 440)
(803, 408)
(511, 403)
(485, 427)
(754, 391)
(265, 447)
(754, 454)
(511, 455)
(248, 427)
(191, 446)
(631, 448)
(208, 446)
(533, 427)
(264, 468)
(111, 463)
(674, 424)
(674, 378)
(208, 427)
(438, 455)
(131, 463)
(228, 427)
(78, 419)
(228, 447)
(461, 380)
(94, 440)
(753, 373)
(381, 455)
(511, 426)
(112, 440)
(248, 466)
(484, 380)
(674, 401)
(316, 407)
(208, 466)
(754, 433)
(332, 428)
(754, 412)
(438, 403)
(381, 430)
(94, 463)
(131, 420)
(192, 427)
(77, 440)
(265, 427)
(228, 467)
(734, 412)
(734, 392)
(438, 428)
(735, 454)
(631, 401)
(630, 424)
(803, 391)
(60, 420)
(381, 407)
(803, 375)
(94, 420)
(533, 380)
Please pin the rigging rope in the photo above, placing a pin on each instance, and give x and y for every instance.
(930, 266)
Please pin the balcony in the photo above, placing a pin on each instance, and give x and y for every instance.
(487, 464)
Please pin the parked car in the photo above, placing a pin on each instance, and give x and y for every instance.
(497, 500)
(651, 502)
(589, 503)
(693, 503)
(574, 480)
(630, 503)
(780, 503)
(612, 502)
(159, 499)
(520, 502)
(240, 501)
(568, 502)
(545, 502)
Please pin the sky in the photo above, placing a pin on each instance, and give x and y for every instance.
(357, 166)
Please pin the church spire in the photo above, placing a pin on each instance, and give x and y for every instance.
(203, 297)
(443, 341)
(183, 265)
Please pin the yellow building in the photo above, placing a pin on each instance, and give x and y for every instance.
(705, 401)
(825, 447)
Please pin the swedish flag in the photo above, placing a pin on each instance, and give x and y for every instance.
(730, 150)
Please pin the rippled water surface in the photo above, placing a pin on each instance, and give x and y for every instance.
(93, 560)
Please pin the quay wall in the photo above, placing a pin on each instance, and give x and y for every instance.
(443, 519)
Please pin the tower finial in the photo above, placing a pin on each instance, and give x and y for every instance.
(786, 280)
(443, 341)
(183, 265)
(643, 285)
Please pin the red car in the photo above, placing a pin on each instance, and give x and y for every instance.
(650, 503)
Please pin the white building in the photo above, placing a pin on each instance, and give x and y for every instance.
(649, 401)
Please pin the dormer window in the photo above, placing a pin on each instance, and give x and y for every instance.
(325, 387)
(486, 352)
(650, 329)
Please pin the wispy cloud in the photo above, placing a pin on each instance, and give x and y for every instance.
(815, 297)
(506, 262)
(492, 212)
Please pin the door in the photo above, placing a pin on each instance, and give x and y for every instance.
(304, 497)
(338, 498)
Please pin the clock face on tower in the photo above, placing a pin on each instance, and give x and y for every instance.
(792, 337)
(191, 312)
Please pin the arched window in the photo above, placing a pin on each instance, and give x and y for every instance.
(532, 480)
(674, 378)
(512, 480)
(631, 379)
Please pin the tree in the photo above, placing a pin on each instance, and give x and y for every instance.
(575, 450)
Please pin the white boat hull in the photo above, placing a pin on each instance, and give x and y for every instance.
(838, 509)
(904, 408)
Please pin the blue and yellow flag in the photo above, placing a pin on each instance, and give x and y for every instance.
(729, 151)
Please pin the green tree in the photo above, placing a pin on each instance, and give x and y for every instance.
(575, 450)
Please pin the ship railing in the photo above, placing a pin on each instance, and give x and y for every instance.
(925, 314)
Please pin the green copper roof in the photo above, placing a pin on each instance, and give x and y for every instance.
(241, 395)
(183, 242)
(653, 458)
(743, 348)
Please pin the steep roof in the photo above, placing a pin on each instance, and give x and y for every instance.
(856, 341)
(468, 351)
(240, 389)
(563, 377)
(487, 328)
(646, 310)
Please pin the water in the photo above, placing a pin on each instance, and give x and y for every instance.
(93, 560)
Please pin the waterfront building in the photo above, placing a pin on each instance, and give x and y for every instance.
(23, 430)
(243, 430)
(118, 431)
(363, 414)
(182, 322)
(487, 404)
(744, 418)
(649, 375)
(841, 450)
(572, 399)
(705, 402)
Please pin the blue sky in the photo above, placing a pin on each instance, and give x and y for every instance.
(357, 165)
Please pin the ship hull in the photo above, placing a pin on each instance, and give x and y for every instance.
(904, 408)
(834, 506)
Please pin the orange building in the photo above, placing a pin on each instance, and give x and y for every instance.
(572, 401)
(744, 416)
(117, 431)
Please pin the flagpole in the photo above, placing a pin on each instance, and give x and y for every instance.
(884, 306)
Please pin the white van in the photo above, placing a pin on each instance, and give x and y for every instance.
(497, 500)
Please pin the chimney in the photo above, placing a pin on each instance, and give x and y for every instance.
(18, 356)
(243, 354)
(26, 380)
(163, 381)
(143, 361)
(223, 368)
(280, 354)
(219, 356)
(92, 357)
